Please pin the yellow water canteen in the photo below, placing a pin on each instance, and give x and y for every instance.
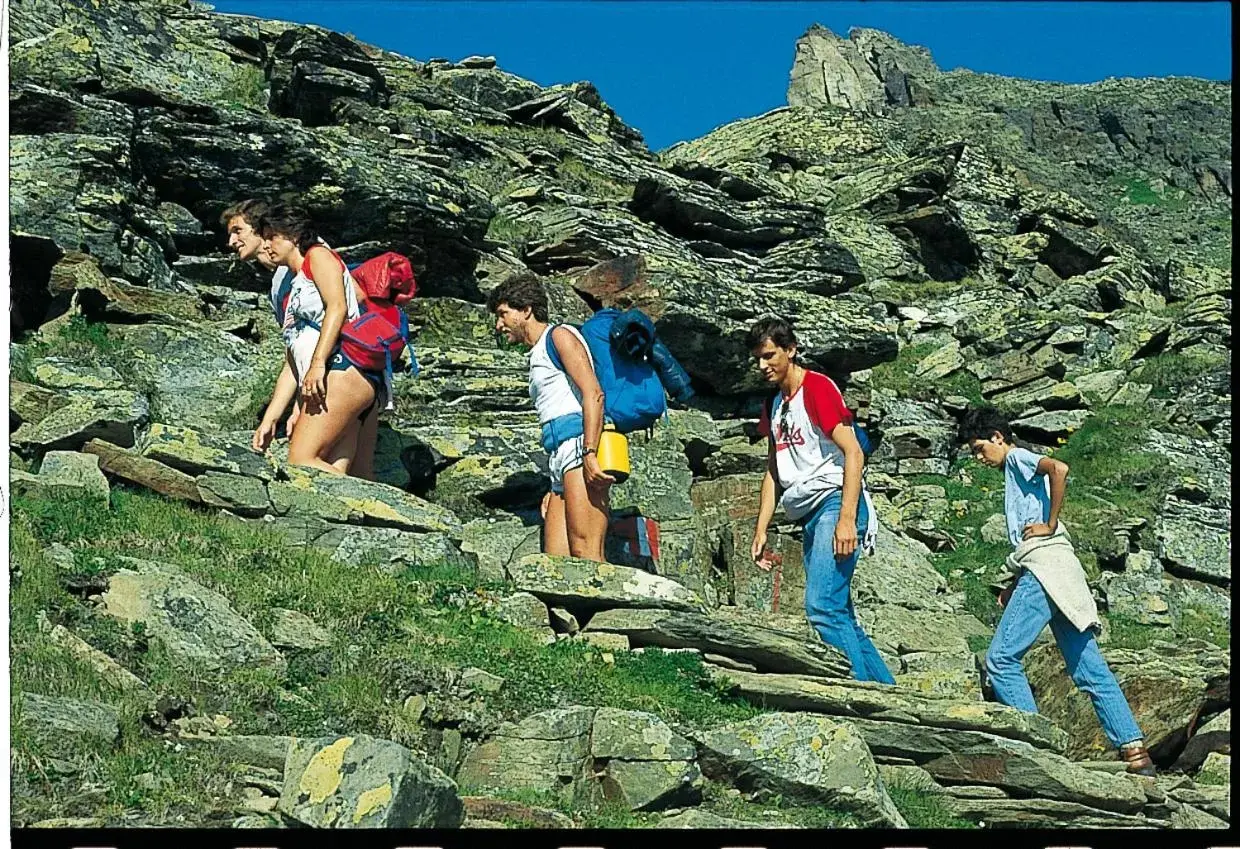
(613, 454)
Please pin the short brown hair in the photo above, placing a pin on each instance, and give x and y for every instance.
(519, 291)
(776, 328)
(251, 209)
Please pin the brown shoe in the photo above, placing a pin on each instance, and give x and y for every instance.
(1137, 759)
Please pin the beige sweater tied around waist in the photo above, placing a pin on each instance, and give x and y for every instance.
(1054, 563)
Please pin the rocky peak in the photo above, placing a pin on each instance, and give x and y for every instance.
(869, 71)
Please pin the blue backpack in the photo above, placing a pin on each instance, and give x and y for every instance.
(863, 438)
(634, 397)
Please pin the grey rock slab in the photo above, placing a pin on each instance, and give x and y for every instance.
(548, 751)
(577, 583)
(51, 717)
(814, 758)
(767, 647)
(1042, 813)
(862, 699)
(364, 782)
(973, 757)
(292, 629)
(70, 471)
(1212, 736)
(196, 625)
(238, 494)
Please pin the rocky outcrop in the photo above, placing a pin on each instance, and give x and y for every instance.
(939, 239)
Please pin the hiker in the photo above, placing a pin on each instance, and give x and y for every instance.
(239, 221)
(814, 457)
(1049, 587)
(569, 402)
(337, 425)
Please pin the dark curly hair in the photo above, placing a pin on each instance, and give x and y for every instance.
(778, 330)
(519, 291)
(981, 423)
(281, 219)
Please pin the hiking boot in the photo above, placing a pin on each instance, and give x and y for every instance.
(1137, 759)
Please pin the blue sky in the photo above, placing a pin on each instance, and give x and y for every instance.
(677, 70)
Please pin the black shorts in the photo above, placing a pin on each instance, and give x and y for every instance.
(340, 362)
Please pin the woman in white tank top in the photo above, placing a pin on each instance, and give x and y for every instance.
(337, 398)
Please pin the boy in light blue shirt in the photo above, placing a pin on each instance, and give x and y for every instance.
(1050, 587)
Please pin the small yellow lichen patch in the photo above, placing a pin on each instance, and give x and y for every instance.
(374, 509)
(372, 800)
(815, 743)
(322, 776)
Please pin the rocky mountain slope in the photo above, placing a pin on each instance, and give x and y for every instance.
(338, 652)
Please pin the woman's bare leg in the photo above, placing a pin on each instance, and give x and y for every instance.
(327, 435)
(367, 437)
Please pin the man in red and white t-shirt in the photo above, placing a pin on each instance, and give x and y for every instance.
(815, 459)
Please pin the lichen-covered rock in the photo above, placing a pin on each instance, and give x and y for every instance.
(548, 751)
(195, 624)
(801, 756)
(1215, 769)
(71, 475)
(576, 583)
(1165, 685)
(863, 699)
(766, 644)
(364, 782)
(644, 764)
(376, 504)
(51, 717)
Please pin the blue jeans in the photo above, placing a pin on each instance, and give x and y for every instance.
(828, 596)
(1029, 611)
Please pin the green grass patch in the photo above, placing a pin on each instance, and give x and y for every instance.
(390, 630)
(1112, 477)
(1204, 625)
(925, 810)
(1170, 373)
(245, 86)
(1125, 633)
(899, 375)
(578, 177)
(1139, 192)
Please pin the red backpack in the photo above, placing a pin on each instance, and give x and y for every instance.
(380, 334)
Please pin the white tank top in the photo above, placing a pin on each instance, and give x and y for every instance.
(305, 305)
(552, 392)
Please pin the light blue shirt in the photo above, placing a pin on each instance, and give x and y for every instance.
(1026, 493)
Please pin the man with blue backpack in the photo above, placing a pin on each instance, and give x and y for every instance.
(609, 373)
(816, 454)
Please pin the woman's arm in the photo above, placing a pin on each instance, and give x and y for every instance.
(328, 277)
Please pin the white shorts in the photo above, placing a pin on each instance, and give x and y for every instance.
(563, 460)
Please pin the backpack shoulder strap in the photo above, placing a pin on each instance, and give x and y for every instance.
(552, 351)
(279, 298)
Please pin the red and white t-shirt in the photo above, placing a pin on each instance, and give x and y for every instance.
(809, 465)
